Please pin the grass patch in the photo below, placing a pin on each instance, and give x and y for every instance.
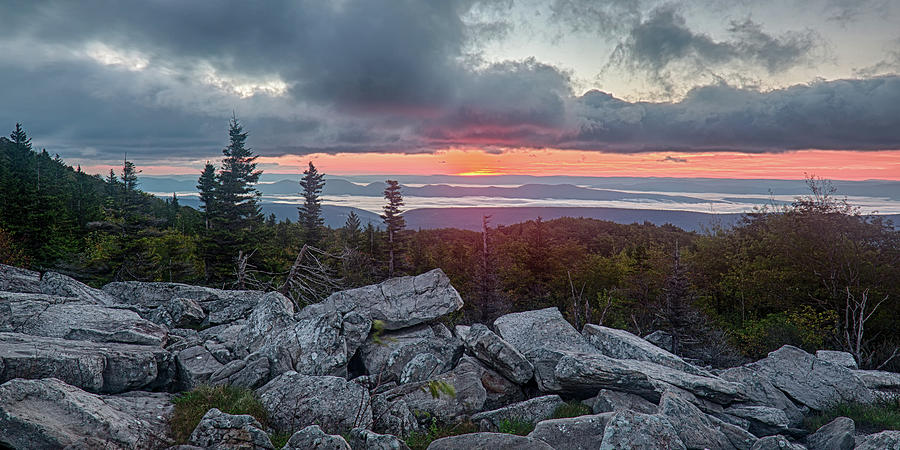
(191, 406)
(279, 439)
(868, 418)
(419, 440)
(571, 408)
(515, 426)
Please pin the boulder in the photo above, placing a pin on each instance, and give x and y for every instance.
(476, 387)
(498, 354)
(575, 433)
(544, 328)
(386, 355)
(57, 284)
(760, 391)
(488, 441)
(92, 366)
(621, 344)
(294, 400)
(610, 401)
(661, 339)
(533, 410)
(632, 430)
(78, 321)
(884, 385)
(697, 430)
(837, 358)
(886, 440)
(195, 367)
(762, 420)
(363, 439)
(397, 303)
(272, 314)
(392, 417)
(313, 438)
(314, 345)
(777, 442)
(835, 435)
(229, 432)
(249, 373)
(48, 413)
(810, 381)
(178, 313)
(14, 279)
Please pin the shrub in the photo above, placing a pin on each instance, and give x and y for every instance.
(515, 426)
(191, 406)
(280, 439)
(419, 440)
(572, 408)
(868, 418)
(803, 327)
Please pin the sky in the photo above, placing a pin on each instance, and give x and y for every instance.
(700, 88)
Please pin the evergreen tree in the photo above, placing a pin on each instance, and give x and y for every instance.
(676, 312)
(311, 211)
(237, 198)
(393, 220)
(208, 186)
(130, 196)
(351, 230)
(20, 138)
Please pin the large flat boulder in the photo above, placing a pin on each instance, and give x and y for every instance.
(312, 437)
(77, 321)
(92, 366)
(628, 429)
(294, 401)
(532, 410)
(589, 373)
(178, 313)
(196, 365)
(488, 441)
(575, 433)
(837, 358)
(544, 328)
(48, 413)
(272, 314)
(610, 401)
(621, 344)
(222, 306)
(398, 302)
(835, 435)
(698, 430)
(809, 380)
(760, 391)
(363, 439)
(497, 353)
(53, 283)
(886, 440)
(15, 279)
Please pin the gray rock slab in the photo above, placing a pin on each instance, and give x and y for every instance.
(632, 430)
(488, 441)
(532, 410)
(575, 433)
(498, 354)
(15, 279)
(835, 435)
(621, 344)
(294, 400)
(230, 432)
(313, 438)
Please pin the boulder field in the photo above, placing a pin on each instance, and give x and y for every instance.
(82, 367)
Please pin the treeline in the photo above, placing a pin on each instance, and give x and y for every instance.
(815, 274)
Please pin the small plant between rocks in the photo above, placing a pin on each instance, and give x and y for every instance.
(515, 426)
(192, 405)
(571, 408)
(419, 440)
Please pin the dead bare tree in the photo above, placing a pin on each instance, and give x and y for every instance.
(857, 312)
(308, 281)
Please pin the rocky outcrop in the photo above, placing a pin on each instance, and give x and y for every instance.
(810, 381)
(698, 430)
(628, 429)
(497, 353)
(272, 314)
(488, 441)
(247, 373)
(533, 410)
(53, 283)
(609, 401)
(835, 435)
(313, 438)
(178, 313)
(388, 355)
(195, 367)
(363, 439)
(392, 417)
(78, 321)
(397, 303)
(544, 328)
(48, 413)
(223, 306)
(92, 366)
(760, 391)
(837, 358)
(621, 344)
(776, 442)
(14, 279)
(886, 440)
(294, 400)
(218, 430)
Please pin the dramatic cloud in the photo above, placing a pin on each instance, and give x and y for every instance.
(158, 79)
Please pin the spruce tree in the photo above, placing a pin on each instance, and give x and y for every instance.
(393, 220)
(352, 228)
(310, 211)
(237, 198)
(20, 138)
(207, 184)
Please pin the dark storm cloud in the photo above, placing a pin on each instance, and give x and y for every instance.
(663, 43)
(394, 76)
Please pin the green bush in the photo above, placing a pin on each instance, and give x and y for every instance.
(419, 440)
(191, 406)
(868, 418)
(803, 327)
(572, 408)
(279, 439)
(515, 426)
